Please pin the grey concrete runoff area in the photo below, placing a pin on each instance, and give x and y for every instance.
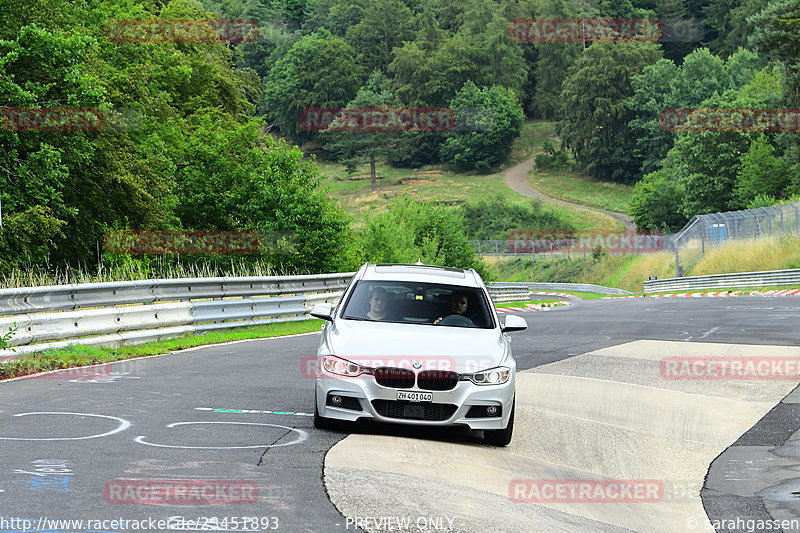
(614, 431)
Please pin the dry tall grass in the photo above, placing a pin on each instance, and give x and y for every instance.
(629, 272)
(133, 271)
(765, 253)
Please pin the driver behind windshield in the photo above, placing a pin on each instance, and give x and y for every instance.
(378, 304)
(457, 304)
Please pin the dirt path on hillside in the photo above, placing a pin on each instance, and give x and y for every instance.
(516, 178)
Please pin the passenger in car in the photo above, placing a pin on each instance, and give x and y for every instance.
(378, 304)
(457, 304)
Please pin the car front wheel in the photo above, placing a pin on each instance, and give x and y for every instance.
(321, 422)
(501, 437)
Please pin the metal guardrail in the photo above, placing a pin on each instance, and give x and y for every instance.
(561, 287)
(769, 278)
(129, 312)
(507, 293)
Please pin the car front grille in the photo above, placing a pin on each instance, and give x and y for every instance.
(396, 378)
(437, 380)
(414, 411)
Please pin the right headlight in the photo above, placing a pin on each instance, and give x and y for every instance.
(343, 367)
(494, 376)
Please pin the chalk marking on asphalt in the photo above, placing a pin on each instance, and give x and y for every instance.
(252, 411)
(123, 425)
(301, 436)
(709, 332)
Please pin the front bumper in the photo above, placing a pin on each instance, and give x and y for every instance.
(463, 397)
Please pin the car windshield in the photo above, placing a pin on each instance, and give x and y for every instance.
(419, 303)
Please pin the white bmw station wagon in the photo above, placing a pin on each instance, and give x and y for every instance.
(417, 344)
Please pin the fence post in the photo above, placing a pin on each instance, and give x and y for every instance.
(796, 218)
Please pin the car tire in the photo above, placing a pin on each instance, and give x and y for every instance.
(321, 422)
(501, 437)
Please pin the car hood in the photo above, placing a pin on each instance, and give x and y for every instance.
(404, 345)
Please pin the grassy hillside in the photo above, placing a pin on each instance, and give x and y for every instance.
(440, 183)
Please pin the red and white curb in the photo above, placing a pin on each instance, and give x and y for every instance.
(533, 307)
(562, 294)
(785, 292)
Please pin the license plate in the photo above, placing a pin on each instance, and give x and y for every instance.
(412, 396)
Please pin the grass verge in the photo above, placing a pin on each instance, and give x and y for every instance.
(78, 355)
(523, 303)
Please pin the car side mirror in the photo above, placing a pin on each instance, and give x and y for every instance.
(514, 323)
(322, 311)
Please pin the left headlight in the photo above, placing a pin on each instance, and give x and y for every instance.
(494, 376)
(342, 367)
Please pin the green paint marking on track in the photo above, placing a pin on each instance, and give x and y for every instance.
(252, 411)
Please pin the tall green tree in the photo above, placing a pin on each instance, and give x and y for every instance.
(236, 178)
(553, 62)
(490, 120)
(776, 36)
(656, 204)
(762, 172)
(352, 147)
(319, 71)
(178, 140)
(384, 26)
(708, 161)
(411, 230)
(430, 73)
(653, 93)
(729, 24)
(594, 123)
(663, 86)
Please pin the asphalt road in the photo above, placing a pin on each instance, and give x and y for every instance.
(77, 447)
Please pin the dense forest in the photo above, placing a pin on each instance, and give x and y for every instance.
(202, 135)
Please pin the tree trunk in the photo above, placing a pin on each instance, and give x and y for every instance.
(372, 174)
